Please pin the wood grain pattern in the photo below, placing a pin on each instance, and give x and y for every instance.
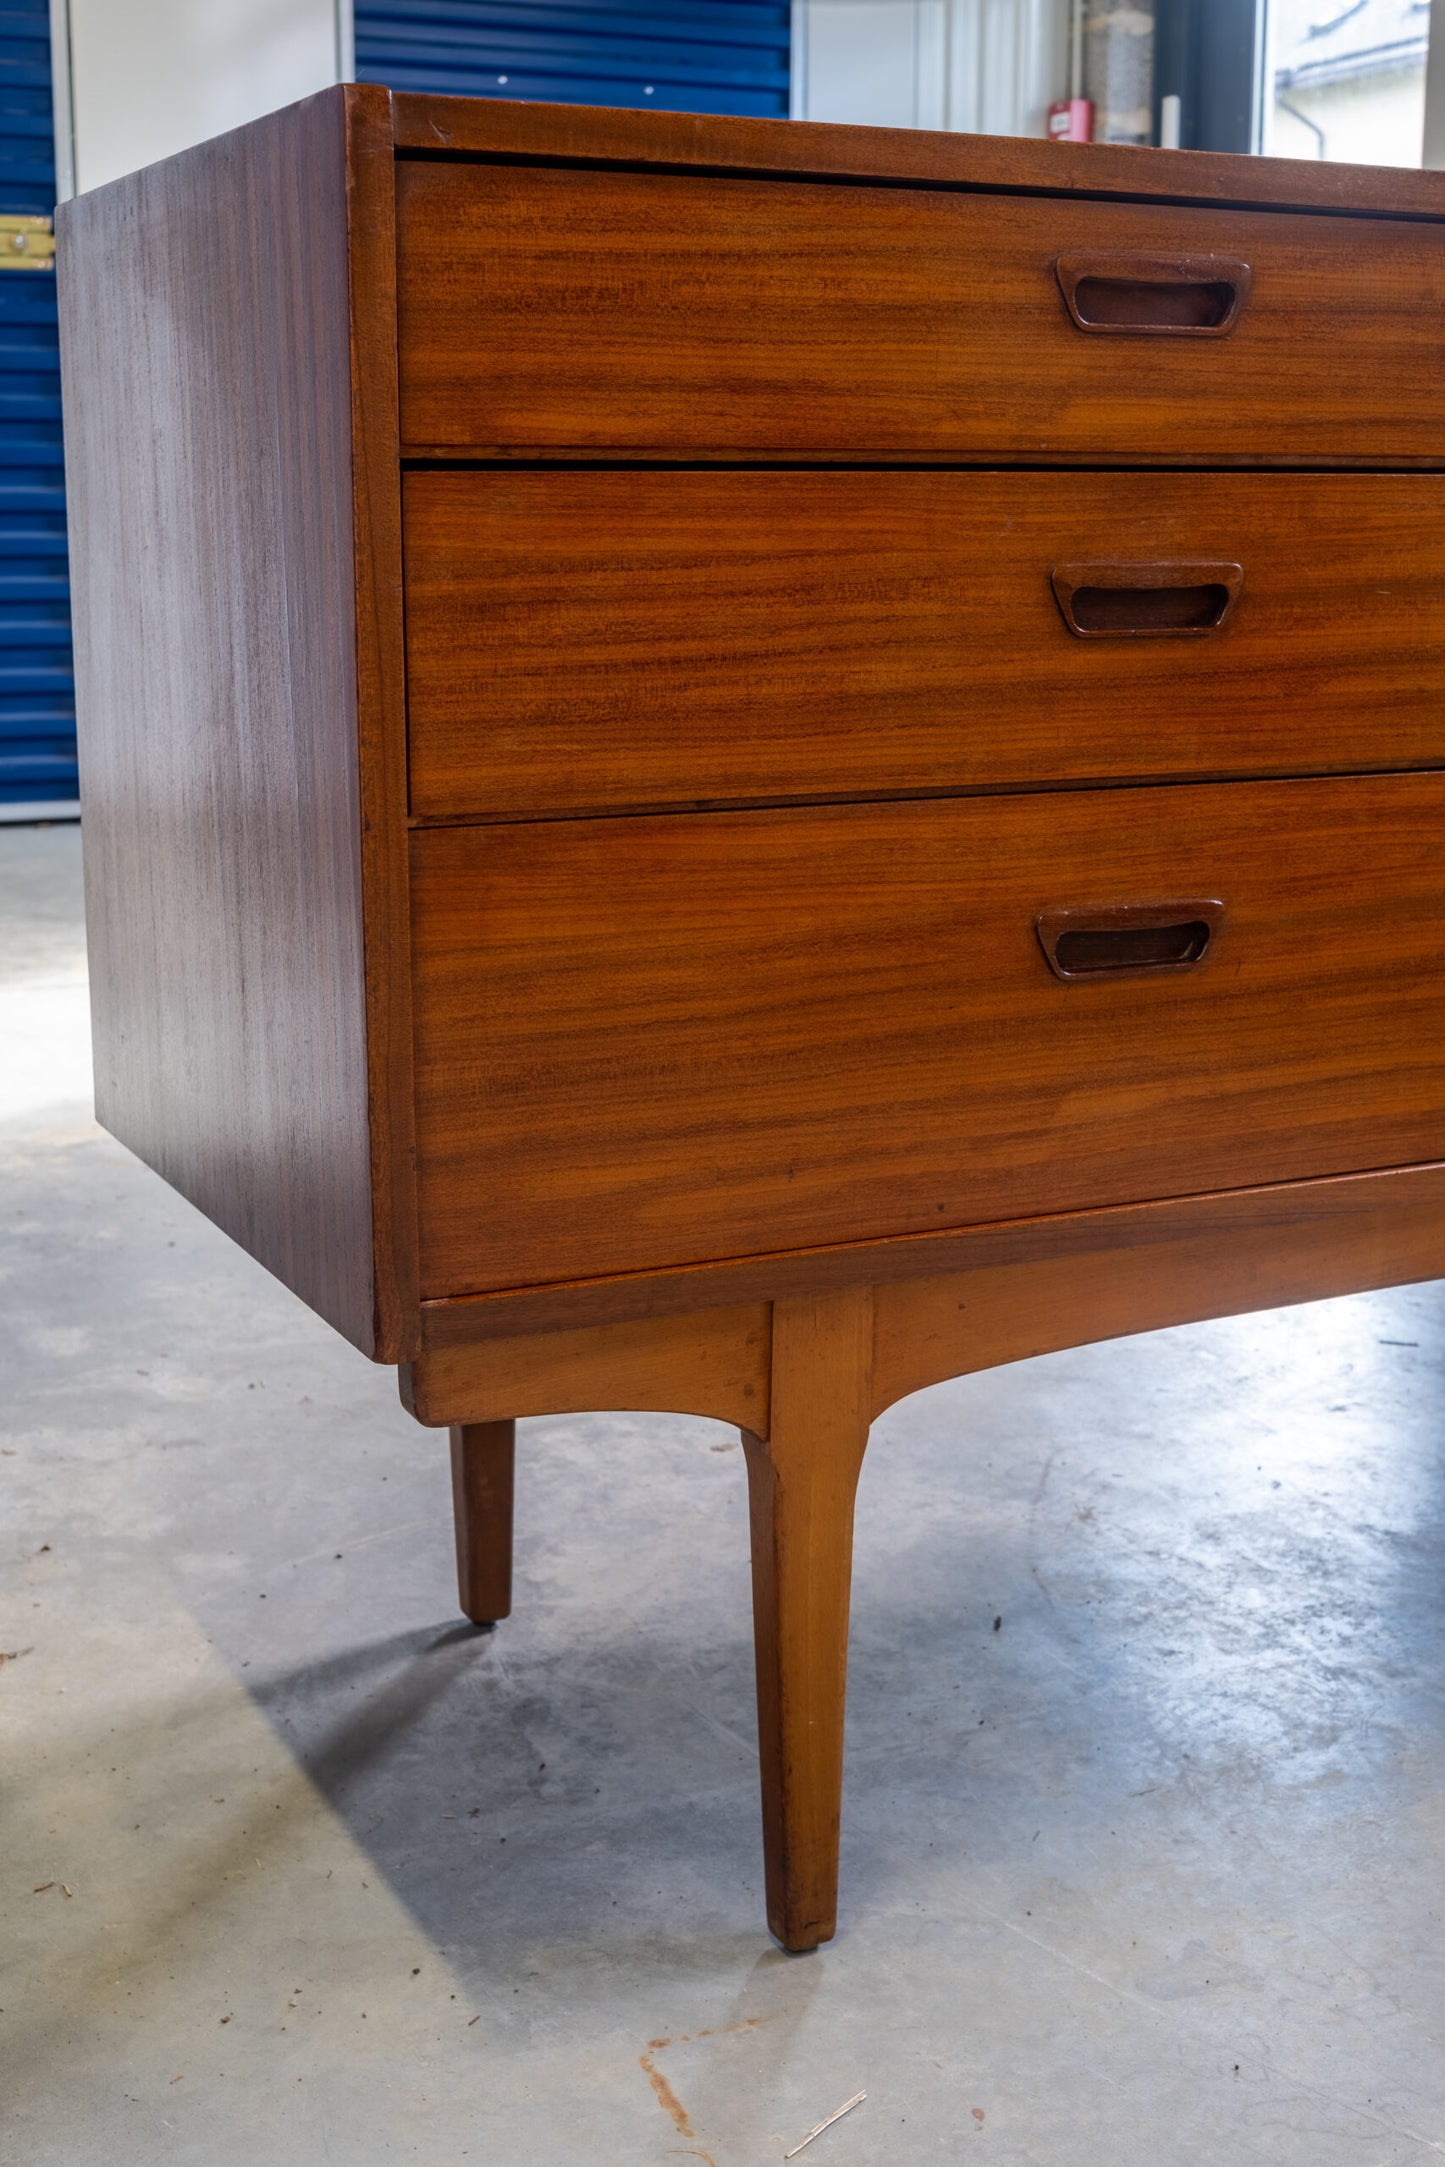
(705, 1362)
(1224, 1264)
(506, 128)
(643, 1043)
(380, 634)
(597, 641)
(210, 457)
(483, 1482)
(945, 1304)
(574, 309)
(802, 1480)
(1390, 1221)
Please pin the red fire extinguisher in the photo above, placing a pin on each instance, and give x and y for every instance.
(1071, 120)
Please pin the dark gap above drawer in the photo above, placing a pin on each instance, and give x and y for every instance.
(415, 460)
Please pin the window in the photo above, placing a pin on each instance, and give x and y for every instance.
(1348, 80)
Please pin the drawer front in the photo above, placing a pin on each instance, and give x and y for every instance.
(574, 310)
(599, 640)
(648, 1042)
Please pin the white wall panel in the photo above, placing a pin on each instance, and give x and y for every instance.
(987, 67)
(148, 77)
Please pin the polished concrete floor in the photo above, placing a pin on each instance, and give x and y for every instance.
(296, 1868)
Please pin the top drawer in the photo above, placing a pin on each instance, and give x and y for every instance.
(587, 311)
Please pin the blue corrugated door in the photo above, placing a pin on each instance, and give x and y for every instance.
(37, 690)
(681, 56)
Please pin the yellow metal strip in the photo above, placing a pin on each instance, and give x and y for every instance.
(26, 243)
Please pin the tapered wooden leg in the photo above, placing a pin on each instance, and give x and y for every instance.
(482, 1458)
(801, 1482)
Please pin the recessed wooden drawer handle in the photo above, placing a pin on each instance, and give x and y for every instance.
(1146, 601)
(1128, 940)
(1138, 296)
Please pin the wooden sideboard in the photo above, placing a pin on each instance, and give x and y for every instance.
(733, 767)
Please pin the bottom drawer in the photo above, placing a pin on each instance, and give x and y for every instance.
(648, 1042)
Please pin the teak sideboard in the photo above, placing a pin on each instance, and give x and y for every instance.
(734, 767)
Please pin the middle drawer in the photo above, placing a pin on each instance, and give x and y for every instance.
(597, 641)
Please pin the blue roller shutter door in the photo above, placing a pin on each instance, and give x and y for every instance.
(694, 56)
(37, 690)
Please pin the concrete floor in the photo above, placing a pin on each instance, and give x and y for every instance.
(296, 1868)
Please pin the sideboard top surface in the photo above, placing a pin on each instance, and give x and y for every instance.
(499, 128)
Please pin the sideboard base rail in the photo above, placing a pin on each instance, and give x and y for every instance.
(804, 1373)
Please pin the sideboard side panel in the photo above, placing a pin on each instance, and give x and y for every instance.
(207, 378)
(381, 714)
